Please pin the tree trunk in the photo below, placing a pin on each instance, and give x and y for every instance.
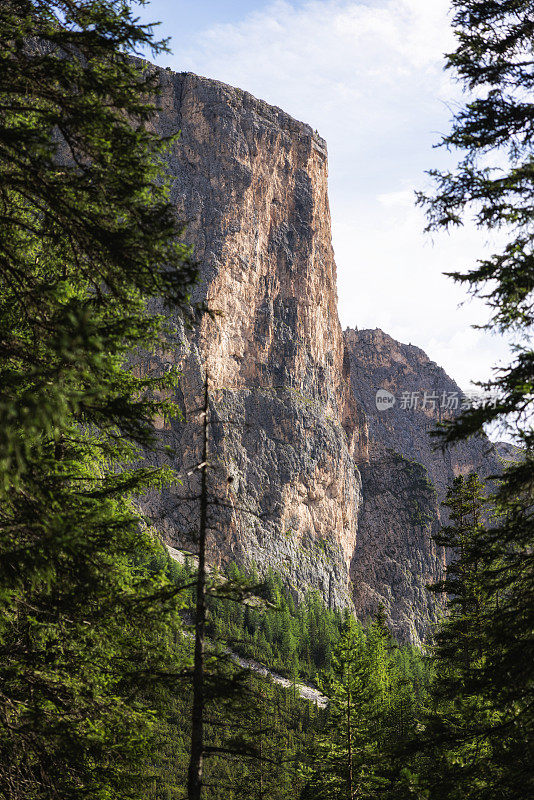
(194, 777)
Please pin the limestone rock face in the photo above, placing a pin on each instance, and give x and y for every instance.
(406, 479)
(285, 433)
(295, 437)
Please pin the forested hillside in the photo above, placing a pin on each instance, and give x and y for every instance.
(266, 741)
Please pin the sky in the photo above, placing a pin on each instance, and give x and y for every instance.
(368, 75)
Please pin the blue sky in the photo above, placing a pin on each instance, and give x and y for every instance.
(183, 19)
(369, 77)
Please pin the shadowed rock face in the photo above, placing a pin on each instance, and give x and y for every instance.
(379, 362)
(406, 479)
(285, 432)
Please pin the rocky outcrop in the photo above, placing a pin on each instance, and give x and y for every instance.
(424, 396)
(407, 477)
(286, 435)
(508, 452)
(395, 559)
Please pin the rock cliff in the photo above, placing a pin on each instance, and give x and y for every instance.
(285, 432)
(293, 424)
(406, 479)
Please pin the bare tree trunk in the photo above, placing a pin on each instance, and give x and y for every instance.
(194, 776)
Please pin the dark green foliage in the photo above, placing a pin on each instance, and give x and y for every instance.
(375, 691)
(474, 742)
(467, 599)
(281, 745)
(252, 741)
(87, 235)
(95, 690)
(345, 754)
(280, 632)
(455, 729)
(494, 62)
(86, 226)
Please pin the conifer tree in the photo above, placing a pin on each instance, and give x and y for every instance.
(460, 633)
(493, 61)
(342, 763)
(87, 235)
(472, 745)
(456, 728)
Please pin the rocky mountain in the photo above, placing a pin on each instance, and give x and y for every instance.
(406, 478)
(285, 432)
(306, 476)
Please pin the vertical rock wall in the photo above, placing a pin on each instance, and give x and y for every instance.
(285, 432)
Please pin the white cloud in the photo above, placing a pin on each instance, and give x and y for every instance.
(330, 55)
(396, 283)
(369, 76)
(401, 199)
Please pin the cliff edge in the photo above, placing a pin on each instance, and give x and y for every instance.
(406, 478)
